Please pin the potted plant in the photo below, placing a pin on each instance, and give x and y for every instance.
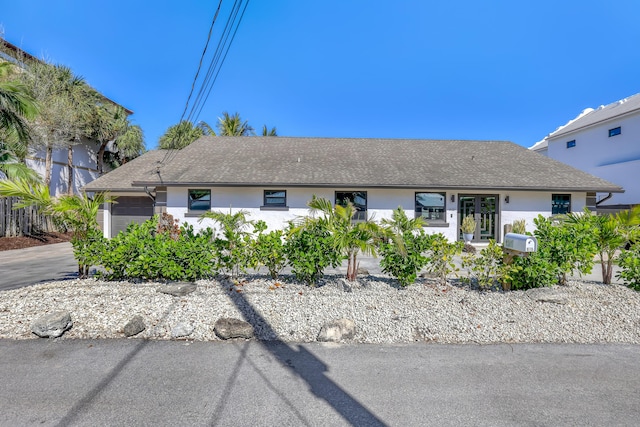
(468, 228)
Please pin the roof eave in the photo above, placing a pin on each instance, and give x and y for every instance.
(594, 124)
(598, 189)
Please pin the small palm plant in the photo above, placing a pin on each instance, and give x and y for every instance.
(350, 238)
(76, 213)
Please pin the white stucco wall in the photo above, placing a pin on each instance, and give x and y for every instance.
(616, 158)
(380, 202)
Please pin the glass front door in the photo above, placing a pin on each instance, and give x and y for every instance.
(484, 209)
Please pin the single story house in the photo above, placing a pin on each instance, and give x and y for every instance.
(273, 178)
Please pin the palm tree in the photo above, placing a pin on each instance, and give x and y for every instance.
(64, 101)
(16, 107)
(350, 238)
(184, 133)
(130, 144)
(269, 132)
(233, 126)
(105, 123)
(78, 213)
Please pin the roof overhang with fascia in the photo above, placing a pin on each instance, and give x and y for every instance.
(141, 184)
(563, 135)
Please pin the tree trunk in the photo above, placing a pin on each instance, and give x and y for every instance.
(48, 160)
(100, 157)
(352, 267)
(70, 168)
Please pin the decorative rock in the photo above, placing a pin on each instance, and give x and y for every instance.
(134, 326)
(363, 271)
(552, 295)
(338, 330)
(52, 325)
(226, 328)
(182, 330)
(178, 289)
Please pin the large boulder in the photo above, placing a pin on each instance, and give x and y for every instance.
(52, 325)
(134, 326)
(338, 330)
(177, 289)
(226, 328)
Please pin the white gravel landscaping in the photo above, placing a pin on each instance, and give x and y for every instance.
(581, 312)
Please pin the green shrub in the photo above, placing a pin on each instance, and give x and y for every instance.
(142, 253)
(532, 271)
(234, 250)
(403, 246)
(441, 256)
(486, 269)
(269, 249)
(629, 262)
(568, 246)
(309, 250)
(404, 261)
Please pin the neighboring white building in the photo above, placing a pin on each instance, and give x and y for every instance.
(84, 162)
(273, 178)
(604, 142)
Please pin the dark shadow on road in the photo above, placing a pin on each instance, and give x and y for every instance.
(307, 366)
(81, 405)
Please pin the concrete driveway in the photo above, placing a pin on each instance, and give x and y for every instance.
(22, 267)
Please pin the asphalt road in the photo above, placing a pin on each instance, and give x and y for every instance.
(28, 266)
(172, 383)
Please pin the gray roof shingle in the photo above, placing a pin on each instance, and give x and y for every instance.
(356, 163)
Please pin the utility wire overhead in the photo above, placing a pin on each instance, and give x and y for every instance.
(215, 64)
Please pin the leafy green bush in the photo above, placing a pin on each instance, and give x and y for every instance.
(569, 246)
(486, 269)
(142, 253)
(310, 249)
(403, 246)
(629, 262)
(234, 251)
(441, 256)
(532, 271)
(268, 249)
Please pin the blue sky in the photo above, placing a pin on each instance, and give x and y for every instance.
(465, 69)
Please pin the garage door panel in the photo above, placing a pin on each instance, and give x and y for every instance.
(128, 210)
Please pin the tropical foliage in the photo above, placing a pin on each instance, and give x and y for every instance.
(182, 134)
(76, 213)
(402, 247)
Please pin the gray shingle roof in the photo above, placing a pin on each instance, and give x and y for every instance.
(355, 163)
(616, 109)
(120, 179)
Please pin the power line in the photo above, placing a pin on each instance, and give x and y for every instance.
(222, 62)
(204, 51)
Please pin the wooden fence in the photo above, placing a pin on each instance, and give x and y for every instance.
(23, 221)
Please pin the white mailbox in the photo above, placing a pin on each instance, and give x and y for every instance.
(520, 242)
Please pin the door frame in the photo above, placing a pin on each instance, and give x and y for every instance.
(477, 236)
